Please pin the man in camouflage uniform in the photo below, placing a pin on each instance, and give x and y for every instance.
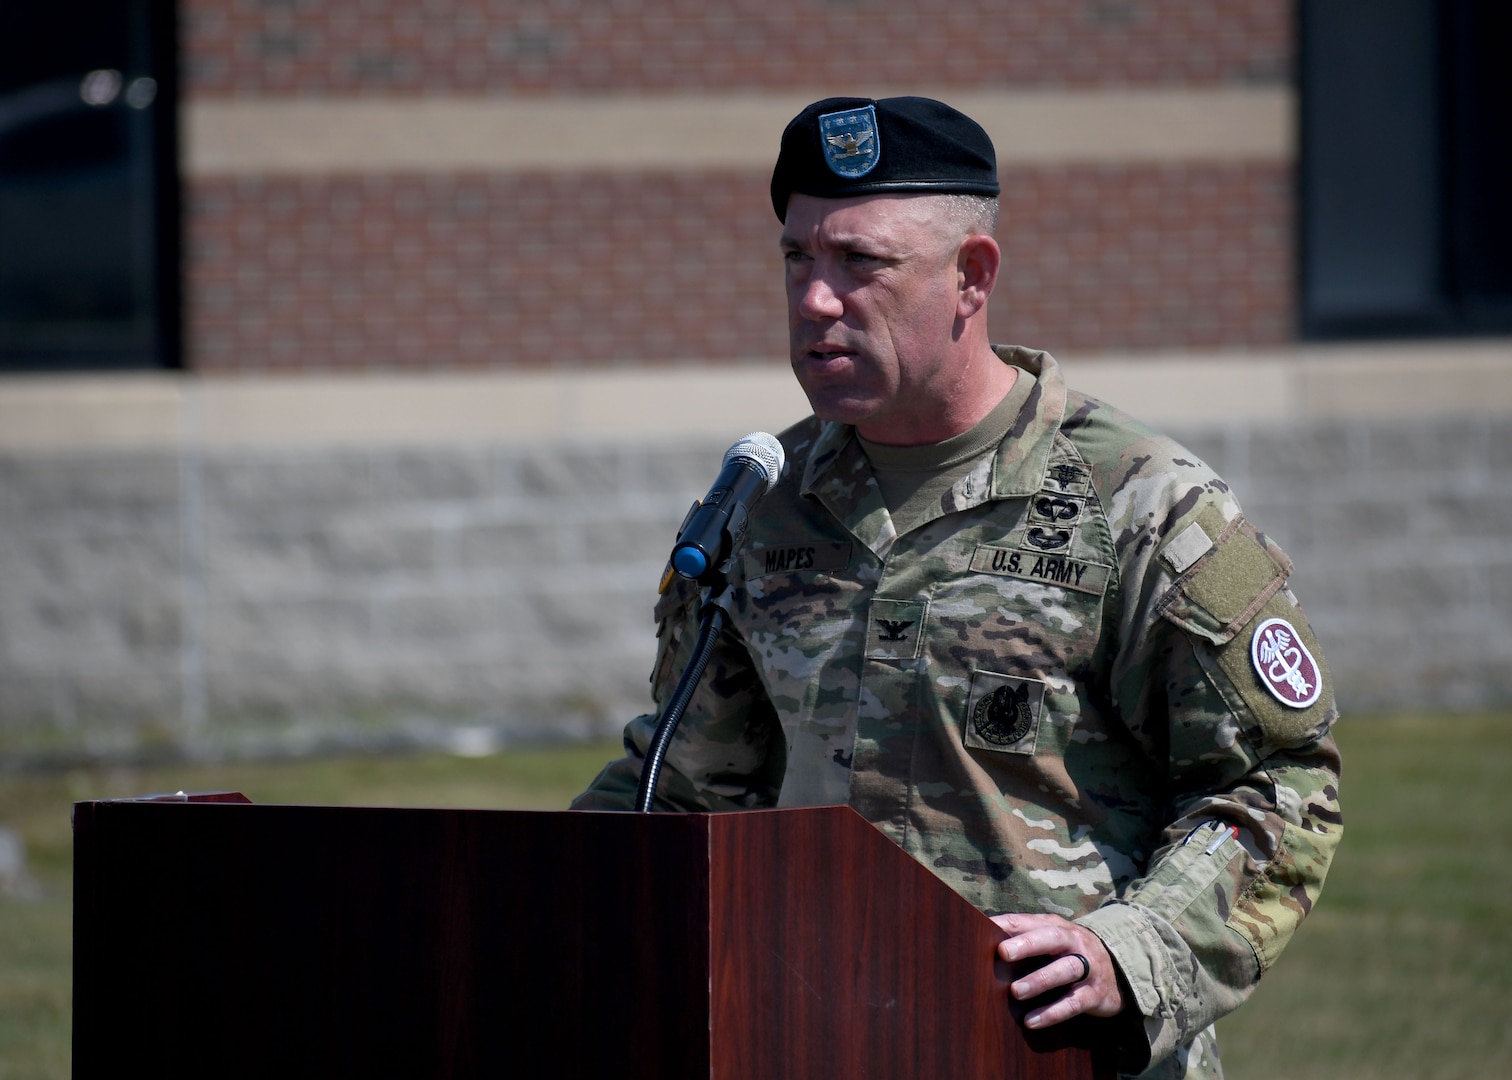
(1034, 642)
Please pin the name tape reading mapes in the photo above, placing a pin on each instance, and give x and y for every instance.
(797, 556)
(1068, 573)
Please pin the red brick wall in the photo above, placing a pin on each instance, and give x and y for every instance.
(565, 270)
(1157, 256)
(587, 270)
(256, 47)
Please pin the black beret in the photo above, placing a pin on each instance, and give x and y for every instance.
(846, 146)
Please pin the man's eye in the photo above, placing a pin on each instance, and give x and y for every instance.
(794, 256)
(859, 257)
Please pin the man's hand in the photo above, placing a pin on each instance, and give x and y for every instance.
(1096, 994)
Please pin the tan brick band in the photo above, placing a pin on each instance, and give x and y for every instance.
(1273, 386)
(680, 132)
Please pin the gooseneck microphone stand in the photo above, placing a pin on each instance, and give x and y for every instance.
(707, 542)
(711, 621)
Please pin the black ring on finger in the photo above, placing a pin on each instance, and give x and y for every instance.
(1086, 966)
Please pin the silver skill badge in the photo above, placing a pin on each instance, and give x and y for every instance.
(851, 144)
(1284, 665)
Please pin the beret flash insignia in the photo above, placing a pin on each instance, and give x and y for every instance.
(851, 143)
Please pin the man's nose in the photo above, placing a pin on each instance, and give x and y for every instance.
(818, 299)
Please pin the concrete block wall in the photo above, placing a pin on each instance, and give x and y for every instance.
(206, 592)
(268, 601)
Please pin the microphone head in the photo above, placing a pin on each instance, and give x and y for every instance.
(763, 451)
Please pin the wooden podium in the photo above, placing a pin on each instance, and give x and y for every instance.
(215, 937)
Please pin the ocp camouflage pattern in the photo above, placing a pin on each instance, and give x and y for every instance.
(1044, 694)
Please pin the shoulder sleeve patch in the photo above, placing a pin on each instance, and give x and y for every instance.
(1233, 599)
(1284, 683)
(1285, 664)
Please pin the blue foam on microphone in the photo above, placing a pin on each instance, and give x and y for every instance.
(689, 562)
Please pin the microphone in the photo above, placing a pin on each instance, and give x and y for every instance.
(714, 528)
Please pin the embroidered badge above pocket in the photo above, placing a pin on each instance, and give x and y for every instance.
(1067, 477)
(1047, 508)
(1043, 538)
(1003, 712)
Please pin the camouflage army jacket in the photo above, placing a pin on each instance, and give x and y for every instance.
(1083, 687)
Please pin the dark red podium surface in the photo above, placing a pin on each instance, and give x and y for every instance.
(230, 939)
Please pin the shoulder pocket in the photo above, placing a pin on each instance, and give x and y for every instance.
(1223, 589)
(1260, 648)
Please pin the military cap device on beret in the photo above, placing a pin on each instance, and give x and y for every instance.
(846, 146)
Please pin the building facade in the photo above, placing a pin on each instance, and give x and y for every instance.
(451, 306)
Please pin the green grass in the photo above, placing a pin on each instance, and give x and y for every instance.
(1405, 969)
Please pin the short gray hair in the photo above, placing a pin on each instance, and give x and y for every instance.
(970, 215)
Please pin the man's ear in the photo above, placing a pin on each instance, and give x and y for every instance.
(977, 263)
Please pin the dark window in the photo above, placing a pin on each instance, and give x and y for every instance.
(88, 187)
(1406, 167)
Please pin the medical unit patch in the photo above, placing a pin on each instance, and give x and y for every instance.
(1284, 665)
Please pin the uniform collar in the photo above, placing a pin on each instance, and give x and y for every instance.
(839, 476)
(1022, 458)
